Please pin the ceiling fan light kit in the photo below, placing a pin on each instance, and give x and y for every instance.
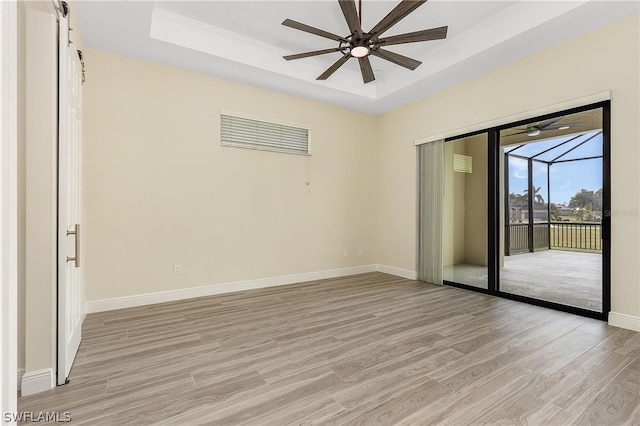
(360, 45)
(359, 51)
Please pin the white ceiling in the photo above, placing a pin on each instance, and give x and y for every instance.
(244, 41)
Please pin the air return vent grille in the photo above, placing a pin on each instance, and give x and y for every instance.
(462, 163)
(245, 132)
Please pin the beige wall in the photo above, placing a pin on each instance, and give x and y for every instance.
(602, 60)
(160, 190)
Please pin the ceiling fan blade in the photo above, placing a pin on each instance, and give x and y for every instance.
(396, 58)
(424, 35)
(559, 126)
(312, 30)
(546, 123)
(366, 70)
(404, 8)
(340, 62)
(314, 53)
(351, 16)
(519, 133)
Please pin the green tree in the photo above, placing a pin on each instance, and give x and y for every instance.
(583, 214)
(597, 200)
(588, 200)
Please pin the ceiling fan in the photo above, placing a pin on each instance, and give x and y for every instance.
(359, 44)
(544, 126)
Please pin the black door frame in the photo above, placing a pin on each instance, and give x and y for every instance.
(493, 213)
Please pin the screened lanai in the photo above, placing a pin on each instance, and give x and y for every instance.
(551, 226)
(553, 247)
(523, 210)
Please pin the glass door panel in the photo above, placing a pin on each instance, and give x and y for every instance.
(465, 250)
(553, 185)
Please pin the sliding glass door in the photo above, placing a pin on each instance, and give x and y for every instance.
(524, 211)
(553, 186)
(464, 244)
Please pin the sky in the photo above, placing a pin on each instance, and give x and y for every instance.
(566, 178)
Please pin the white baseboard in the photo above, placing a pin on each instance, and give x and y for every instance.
(210, 290)
(37, 381)
(404, 273)
(624, 321)
(19, 382)
(615, 319)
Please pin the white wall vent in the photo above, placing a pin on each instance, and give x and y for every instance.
(462, 163)
(243, 131)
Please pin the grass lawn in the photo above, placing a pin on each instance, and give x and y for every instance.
(576, 236)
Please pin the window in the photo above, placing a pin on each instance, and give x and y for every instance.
(243, 131)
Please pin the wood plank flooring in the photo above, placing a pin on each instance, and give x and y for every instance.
(367, 349)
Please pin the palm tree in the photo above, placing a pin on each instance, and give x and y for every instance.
(537, 197)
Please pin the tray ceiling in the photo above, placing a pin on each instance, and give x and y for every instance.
(244, 41)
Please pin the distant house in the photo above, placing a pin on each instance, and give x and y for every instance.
(540, 215)
(564, 210)
(519, 214)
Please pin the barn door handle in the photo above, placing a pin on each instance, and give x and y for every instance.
(76, 233)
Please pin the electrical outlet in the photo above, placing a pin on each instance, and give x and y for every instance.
(346, 252)
(359, 252)
(177, 269)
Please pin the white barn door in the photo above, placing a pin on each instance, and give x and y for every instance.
(70, 312)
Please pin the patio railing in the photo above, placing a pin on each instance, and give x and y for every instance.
(555, 235)
(576, 235)
(519, 237)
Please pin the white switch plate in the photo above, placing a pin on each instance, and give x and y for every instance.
(346, 252)
(177, 269)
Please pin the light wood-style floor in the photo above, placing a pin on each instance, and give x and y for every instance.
(367, 349)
